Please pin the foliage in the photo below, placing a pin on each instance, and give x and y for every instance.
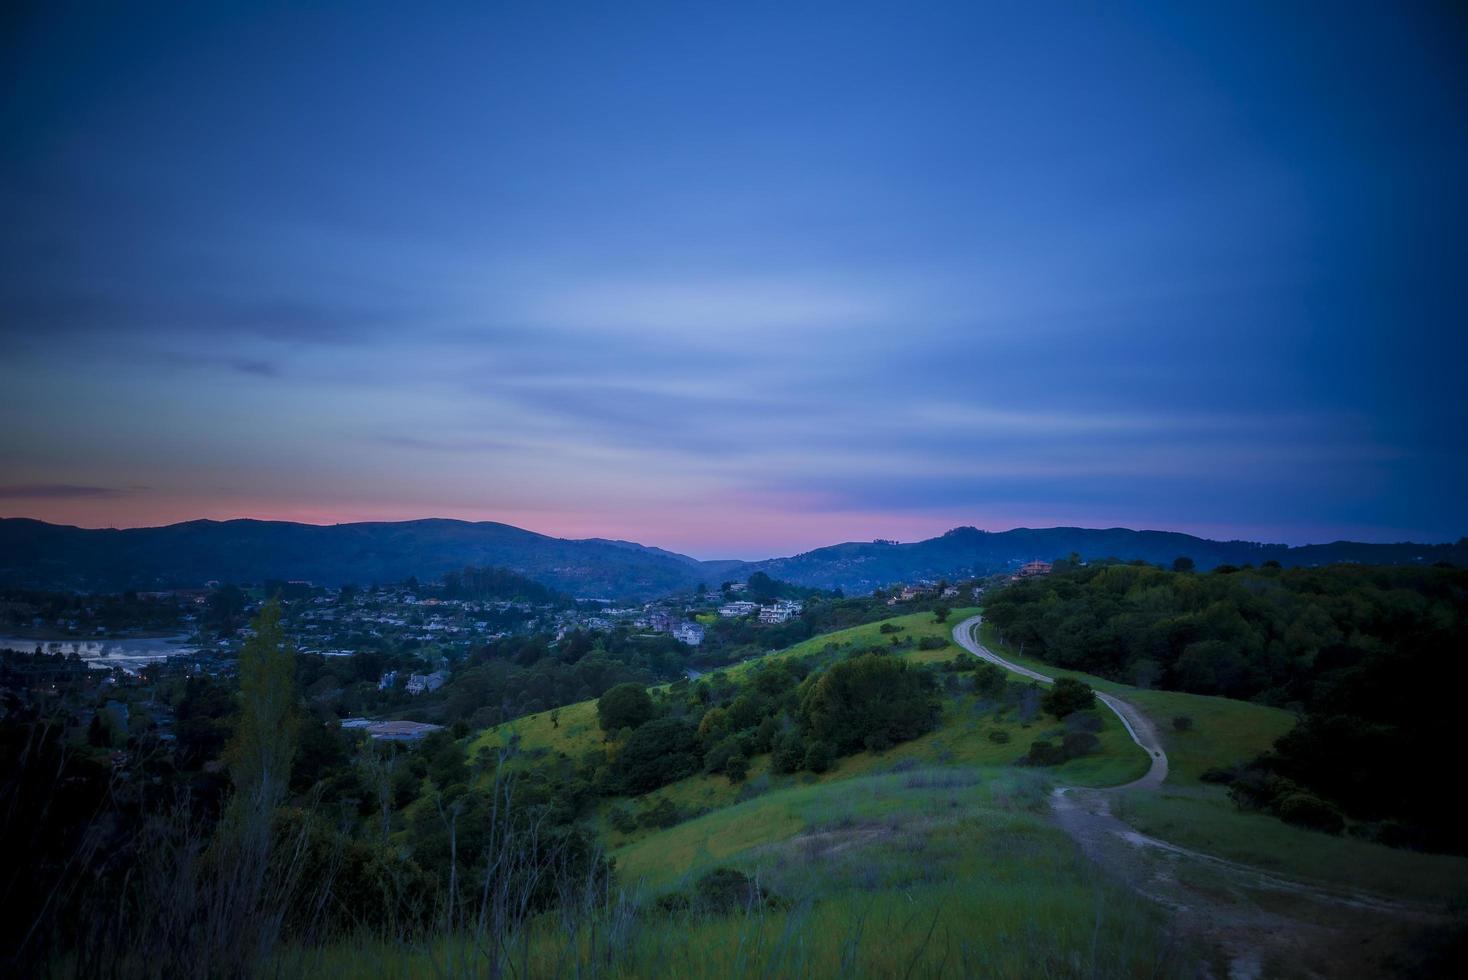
(869, 696)
(624, 706)
(659, 752)
(1067, 695)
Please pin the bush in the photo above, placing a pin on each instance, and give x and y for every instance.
(724, 890)
(933, 643)
(889, 628)
(998, 736)
(1083, 721)
(870, 698)
(1182, 723)
(789, 753)
(1307, 810)
(1076, 744)
(624, 706)
(1042, 753)
(622, 819)
(672, 903)
(718, 757)
(737, 768)
(818, 757)
(661, 815)
(662, 751)
(1067, 696)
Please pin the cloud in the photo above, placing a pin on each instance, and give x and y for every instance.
(61, 491)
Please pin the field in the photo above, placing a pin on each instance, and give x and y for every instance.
(962, 739)
(1200, 816)
(925, 873)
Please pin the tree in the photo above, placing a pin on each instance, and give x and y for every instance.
(1066, 696)
(1183, 564)
(661, 751)
(940, 614)
(789, 753)
(624, 706)
(869, 696)
(264, 741)
(818, 757)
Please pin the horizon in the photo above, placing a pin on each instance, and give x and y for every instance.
(738, 281)
(753, 557)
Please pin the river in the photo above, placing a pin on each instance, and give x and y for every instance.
(130, 654)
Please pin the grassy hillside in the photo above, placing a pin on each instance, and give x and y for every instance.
(1200, 816)
(924, 873)
(964, 738)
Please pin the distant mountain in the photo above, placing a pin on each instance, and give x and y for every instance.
(41, 555)
(965, 551)
(34, 553)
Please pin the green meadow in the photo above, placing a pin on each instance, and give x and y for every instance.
(1200, 816)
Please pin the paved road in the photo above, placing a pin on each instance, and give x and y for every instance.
(1138, 726)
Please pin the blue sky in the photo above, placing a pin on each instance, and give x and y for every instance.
(738, 279)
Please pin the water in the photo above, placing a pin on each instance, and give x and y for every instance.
(130, 654)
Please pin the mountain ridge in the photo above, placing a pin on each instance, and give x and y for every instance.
(35, 553)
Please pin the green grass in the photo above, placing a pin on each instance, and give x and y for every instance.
(928, 873)
(1200, 816)
(962, 738)
(1204, 819)
(1225, 732)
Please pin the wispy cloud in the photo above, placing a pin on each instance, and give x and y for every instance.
(62, 491)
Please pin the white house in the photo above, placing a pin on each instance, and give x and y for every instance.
(741, 608)
(689, 633)
(426, 683)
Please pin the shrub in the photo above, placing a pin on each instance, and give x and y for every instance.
(818, 757)
(789, 753)
(877, 742)
(672, 903)
(725, 890)
(764, 735)
(624, 706)
(933, 643)
(1182, 723)
(1067, 696)
(1307, 810)
(1083, 721)
(661, 815)
(660, 752)
(737, 768)
(998, 736)
(622, 819)
(870, 698)
(1042, 753)
(718, 757)
(889, 628)
(1077, 744)
(1219, 774)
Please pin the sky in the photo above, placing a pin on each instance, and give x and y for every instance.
(738, 280)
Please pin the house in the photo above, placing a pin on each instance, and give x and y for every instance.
(689, 633)
(426, 683)
(741, 608)
(387, 680)
(775, 614)
(1032, 568)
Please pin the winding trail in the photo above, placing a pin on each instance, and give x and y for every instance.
(1302, 930)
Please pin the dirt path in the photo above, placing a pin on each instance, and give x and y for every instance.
(1254, 922)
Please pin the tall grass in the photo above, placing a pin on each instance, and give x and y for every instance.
(926, 873)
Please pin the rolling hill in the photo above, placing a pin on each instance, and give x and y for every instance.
(37, 554)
